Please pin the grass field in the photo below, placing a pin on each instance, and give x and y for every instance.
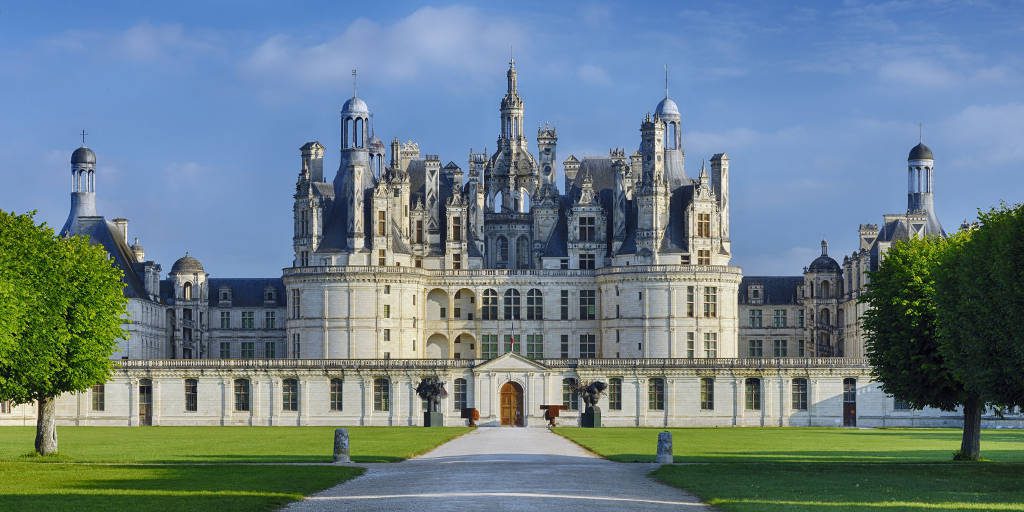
(190, 468)
(822, 469)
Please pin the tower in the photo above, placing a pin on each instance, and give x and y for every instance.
(307, 210)
(83, 185)
(920, 187)
(354, 179)
(511, 110)
(547, 138)
(720, 184)
(823, 288)
(674, 156)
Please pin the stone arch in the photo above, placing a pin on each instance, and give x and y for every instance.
(465, 346)
(437, 304)
(825, 316)
(437, 347)
(522, 252)
(498, 201)
(465, 305)
(826, 289)
(524, 200)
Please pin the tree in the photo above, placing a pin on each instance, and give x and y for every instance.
(62, 304)
(981, 323)
(902, 340)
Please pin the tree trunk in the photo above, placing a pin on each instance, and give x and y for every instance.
(970, 445)
(46, 427)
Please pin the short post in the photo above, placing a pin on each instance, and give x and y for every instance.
(341, 446)
(665, 447)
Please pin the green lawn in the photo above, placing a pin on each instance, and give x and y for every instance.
(190, 468)
(823, 469)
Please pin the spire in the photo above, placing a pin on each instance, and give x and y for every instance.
(824, 247)
(511, 74)
(666, 80)
(355, 84)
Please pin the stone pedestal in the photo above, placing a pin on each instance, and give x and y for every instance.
(341, 446)
(433, 419)
(664, 448)
(591, 418)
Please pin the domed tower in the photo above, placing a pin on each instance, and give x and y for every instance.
(83, 187)
(354, 176)
(823, 288)
(674, 156)
(191, 306)
(920, 186)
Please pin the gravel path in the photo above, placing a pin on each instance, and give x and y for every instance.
(513, 469)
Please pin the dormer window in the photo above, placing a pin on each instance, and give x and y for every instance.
(587, 229)
(755, 293)
(224, 294)
(270, 295)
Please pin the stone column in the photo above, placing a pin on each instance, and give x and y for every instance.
(133, 402)
(156, 401)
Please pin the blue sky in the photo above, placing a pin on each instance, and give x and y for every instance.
(196, 110)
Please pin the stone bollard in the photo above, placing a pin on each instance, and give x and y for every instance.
(664, 448)
(341, 446)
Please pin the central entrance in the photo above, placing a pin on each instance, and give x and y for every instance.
(512, 404)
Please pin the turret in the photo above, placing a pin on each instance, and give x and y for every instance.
(920, 186)
(720, 185)
(83, 186)
(547, 138)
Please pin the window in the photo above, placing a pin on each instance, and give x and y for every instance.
(703, 257)
(337, 388)
(755, 348)
(460, 394)
(801, 350)
(690, 342)
(457, 262)
(564, 303)
(489, 308)
(656, 394)
(248, 319)
(186, 291)
(381, 223)
(225, 350)
(564, 346)
(387, 289)
(588, 346)
(248, 350)
(534, 305)
(512, 303)
(457, 229)
(387, 311)
(270, 350)
(779, 318)
(780, 348)
(387, 334)
(563, 263)
(99, 397)
(191, 395)
(535, 346)
(570, 400)
(753, 394)
(5, 407)
(419, 231)
(241, 395)
(225, 319)
(296, 345)
(710, 302)
(587, 261)
(799, 394)
(502, 249)
(756, 318)
(512, 343)
(381, 394)
(588, 229)
(690, 301)
(382, 257)
(588, 304)
(707, 394)
(849, 391)
(304, 259)
(800, 318)
(296, 298)
(489, 346)
(615, 394)
(704, 225)
(711, 344)
(269, 320)
(289, 395)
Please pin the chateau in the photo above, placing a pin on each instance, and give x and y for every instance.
(505, 285)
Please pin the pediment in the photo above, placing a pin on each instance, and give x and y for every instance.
(510, 362)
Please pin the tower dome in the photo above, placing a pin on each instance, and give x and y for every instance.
(187, 265)
(355, 105)
(83, 155)
(667, 107)
(921, 152)
(824, 263)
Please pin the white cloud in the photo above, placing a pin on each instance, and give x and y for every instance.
(141, 42)
(988, 135)
(591, 74)
(456, 39)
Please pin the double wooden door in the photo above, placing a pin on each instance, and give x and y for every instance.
(511, 405)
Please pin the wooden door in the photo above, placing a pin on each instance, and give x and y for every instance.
(511, 404)
(849, 402)
(145, 402)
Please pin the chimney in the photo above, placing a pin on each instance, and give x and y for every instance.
(122, 226)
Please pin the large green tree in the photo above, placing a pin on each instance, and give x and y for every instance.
(901, 329)
(61, 310)
(980, 303)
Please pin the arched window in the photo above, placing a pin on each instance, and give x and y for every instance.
(489, 308)
(289, 395)
(186, 291)
(337, 387)
(825, 317)
(523, 252)
(570, 400)
(826, 291)
(615, 394)
(499, 199)
(656, 394)
(512, 303)
(460, 394)
(753, 394)
(502, 244)
(381, 394)
(241, 395)
(534, 305)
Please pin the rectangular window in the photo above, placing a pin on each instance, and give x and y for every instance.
(418, 262)
(387, 289)
(703, 257)
(780, 348)
(588, 230)
(656, 394)
(711, 344)
(387, 334)
(382, 258)
(779, 318)
(570, 400)
(588, 346)
(563, 263)
(270, 350)
(710, 302)
(588, 304)
(248, 319)
(534, 305)
(419, 231)
(248, 350)
(381, 223)
(755, 348)
(225, 350)
(241, 395)
(99, 397)
(381, 394)
(707, 394)
(456, 262)
(801, 349)
(753, 394)
(704, 225)
(337, 388)
(489, 308)
(615, 394)
(800, 318)
(457, 229)
(564, 346)
(296, 298)
(512, 343)
(690, 342)
(756, 318)
(225, 319)
(387, 310)
(489, 346)
(269, 320)
(289, 395)
(587, 261)
(191, 395)
(564, 303)
(535, 346)
(690, 301)
(296, 345)
(799, 394)
(460, 394)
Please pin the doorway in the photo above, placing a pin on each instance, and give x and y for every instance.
(145, 402)
(849, 402)
(511, 404)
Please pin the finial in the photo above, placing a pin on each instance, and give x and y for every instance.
(824, 247)
(511, 56)
(355, 88)
(666, 80)
(83, 137)
(920, 133)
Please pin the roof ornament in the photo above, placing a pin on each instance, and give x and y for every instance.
(920, 133)
(666, 80)
(84, 133)
(355, 85)
(824, 247)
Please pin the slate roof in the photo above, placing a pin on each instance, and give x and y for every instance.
(103, 232)
(778, 290)
(247, 292)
